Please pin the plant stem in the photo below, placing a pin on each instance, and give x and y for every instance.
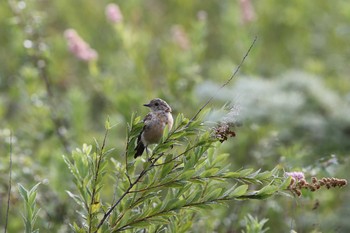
(10, 184)
(97, 169)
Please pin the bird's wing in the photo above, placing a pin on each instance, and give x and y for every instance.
(140, 147)
(147, 118)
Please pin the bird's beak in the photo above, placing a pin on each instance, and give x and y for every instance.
(147, 105)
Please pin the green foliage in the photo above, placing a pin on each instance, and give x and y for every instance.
(30, 210)
(253, 225)
(183, 174)
(53, 102)
(89, 168)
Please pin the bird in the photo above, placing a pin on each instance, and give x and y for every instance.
(155, 122)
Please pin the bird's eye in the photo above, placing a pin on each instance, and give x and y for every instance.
(156, 104)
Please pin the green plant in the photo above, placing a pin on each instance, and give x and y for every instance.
(30, 211)
(143, 59)
(182, 174)
(253, 225)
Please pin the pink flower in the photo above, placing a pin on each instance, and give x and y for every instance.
(79, 47)
(248, 13)
(296, 175)
(113, 13)
(180, 37)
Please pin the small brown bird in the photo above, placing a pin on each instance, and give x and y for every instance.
(155, 122)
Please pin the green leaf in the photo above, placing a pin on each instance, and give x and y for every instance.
(35, 187)
(107, 124)
(263, 193)
(210, 172)
(142, 224)
(165, 134)
(137, 120)
(170, 204)
(203, 206)
(31, 197)
(187, 174)
(232, 175)
(76, 198)
(197, 180)
(285, 183)
(87, 149)
(23, 192)
(95, 207)
(178, 120)
(77, 229)
(166, 170)
(239, 191)
(158, 220)
(184, 189)
(175, 184)
(245, 172)
(229, 191)
(252, 175)
(264, 175)
(214, 194)
(194, 196)
(178, 204)
(177, 135)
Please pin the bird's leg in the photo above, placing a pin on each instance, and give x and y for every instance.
(147, 153)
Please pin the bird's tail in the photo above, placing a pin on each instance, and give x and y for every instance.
(139, 148)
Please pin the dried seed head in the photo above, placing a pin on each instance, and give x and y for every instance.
(223, 132)
(298, 192)
(303, 182)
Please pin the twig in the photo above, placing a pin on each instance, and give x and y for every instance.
(97, 169)
(10, 185)
(126, 153)
(226, 83)
(177, 156)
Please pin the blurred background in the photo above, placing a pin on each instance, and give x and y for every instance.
(65, 66)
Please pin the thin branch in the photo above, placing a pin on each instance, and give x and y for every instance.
(156, 186)
(127, 176)
(10, 185)
(98, 164)
(177, 156)
(126, 153)
(226, 83)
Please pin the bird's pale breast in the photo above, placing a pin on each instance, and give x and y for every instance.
(155, 125)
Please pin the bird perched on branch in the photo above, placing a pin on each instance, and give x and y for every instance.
(155, 122)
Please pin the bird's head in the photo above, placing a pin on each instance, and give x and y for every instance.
(158, 105)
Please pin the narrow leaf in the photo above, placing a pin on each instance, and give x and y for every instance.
(239, 191)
